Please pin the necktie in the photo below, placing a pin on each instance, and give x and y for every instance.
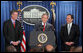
(44, 27)
(14, 24)
(69, 29)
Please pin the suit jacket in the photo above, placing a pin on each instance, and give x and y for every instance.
(11, 33)
(39, 27)
(73, 36)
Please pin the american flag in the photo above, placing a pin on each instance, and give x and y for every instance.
(23, 43)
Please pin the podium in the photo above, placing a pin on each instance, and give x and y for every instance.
(43, 38)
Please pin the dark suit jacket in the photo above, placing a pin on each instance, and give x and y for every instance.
(73, 36)
(39, 27)
(11, 33)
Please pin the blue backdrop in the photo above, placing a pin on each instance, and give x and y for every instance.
(62, 8)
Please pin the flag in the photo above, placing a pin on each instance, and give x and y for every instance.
(23, 43)
(53, 13)
(53, 18)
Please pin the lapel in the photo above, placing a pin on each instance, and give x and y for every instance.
(12, 26)
(41, 26)
(66, 30)
(46, 28)
(71, 30)
(16, 26)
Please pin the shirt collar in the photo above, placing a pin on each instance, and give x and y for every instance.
(43, 23)
(12, 20)
(70, 24)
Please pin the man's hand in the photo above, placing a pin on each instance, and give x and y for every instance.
(39, 45)
(15, 43)
(49, 48)
(69, 43)
(18, 42)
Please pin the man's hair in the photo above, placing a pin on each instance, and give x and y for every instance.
(71, 16)
(11, 12)
(45, 14)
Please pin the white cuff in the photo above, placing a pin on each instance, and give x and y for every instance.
(11, 42)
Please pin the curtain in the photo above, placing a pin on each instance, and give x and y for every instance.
(62, 8)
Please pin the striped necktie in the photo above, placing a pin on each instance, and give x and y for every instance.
(14, 24)
(44, 27)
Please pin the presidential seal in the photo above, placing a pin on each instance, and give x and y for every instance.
(42, 38)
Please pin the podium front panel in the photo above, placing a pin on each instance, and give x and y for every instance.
(34, 41)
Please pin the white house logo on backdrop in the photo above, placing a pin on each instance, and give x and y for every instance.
(32, 14)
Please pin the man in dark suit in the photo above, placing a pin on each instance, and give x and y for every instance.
(45, 26)
(69, 34)
(12, 31)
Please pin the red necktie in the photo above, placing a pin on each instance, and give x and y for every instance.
(44, 27)
(14, 24)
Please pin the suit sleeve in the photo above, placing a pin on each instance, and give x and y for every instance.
(53, 29)
(50, 27)
(36, 27)
(77, 35)
(5, 32)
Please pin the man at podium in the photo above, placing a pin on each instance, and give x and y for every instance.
(44, 25)
(47, 29)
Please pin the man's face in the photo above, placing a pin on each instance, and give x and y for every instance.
(14, 15)
(44, 18)
(69, 19)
